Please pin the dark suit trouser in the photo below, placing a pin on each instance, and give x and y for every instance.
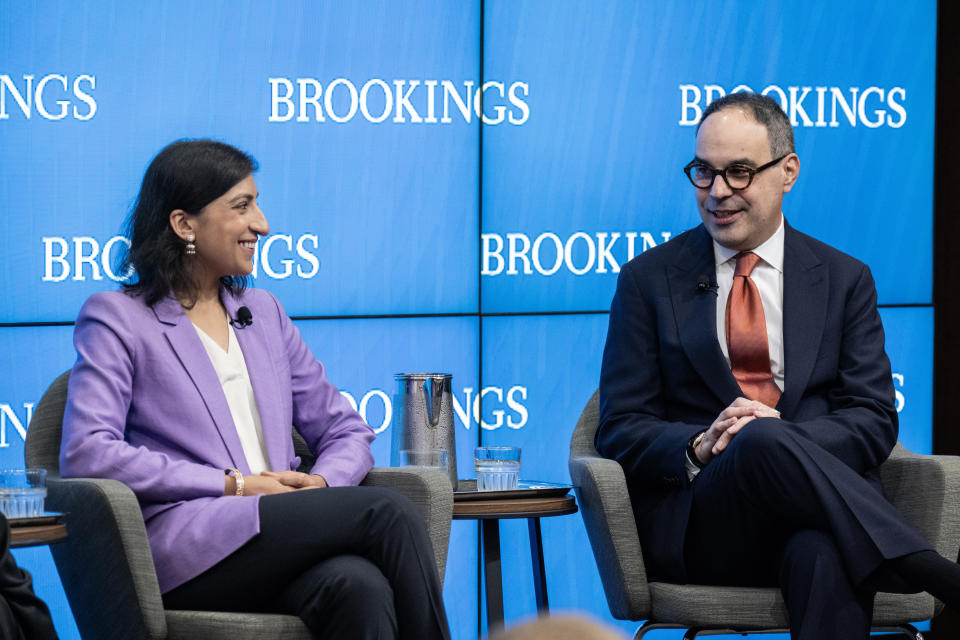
(23, 616)
(777, 509)
(352, 562)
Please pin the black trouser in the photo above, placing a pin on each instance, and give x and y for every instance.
(777, 509)
(22, 614)
(351, 562)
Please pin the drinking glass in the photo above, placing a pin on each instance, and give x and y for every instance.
(22, 492)
(498, 468)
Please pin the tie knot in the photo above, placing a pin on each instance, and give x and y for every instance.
(745, 263)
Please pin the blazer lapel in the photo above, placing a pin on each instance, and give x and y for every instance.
(805, 288)
(696, 313)
(263, 377)
(193, 357)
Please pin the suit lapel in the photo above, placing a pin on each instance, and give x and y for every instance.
(253, 342)
(695, 311)
(186, 344)
(805, 289)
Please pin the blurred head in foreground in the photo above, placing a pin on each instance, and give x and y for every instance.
(561, 627)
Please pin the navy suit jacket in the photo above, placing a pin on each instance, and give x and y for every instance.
(664, 377)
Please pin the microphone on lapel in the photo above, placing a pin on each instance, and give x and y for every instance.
(704, 284)
(244, 318)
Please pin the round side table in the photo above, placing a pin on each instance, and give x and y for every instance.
(37, 534)
(489, 512)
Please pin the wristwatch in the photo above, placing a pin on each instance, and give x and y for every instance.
(692, 445)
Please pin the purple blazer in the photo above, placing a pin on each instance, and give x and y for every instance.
(145, 407)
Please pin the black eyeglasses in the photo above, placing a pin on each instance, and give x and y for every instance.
(737, 176)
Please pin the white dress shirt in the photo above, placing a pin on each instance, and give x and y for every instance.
(768, 276)
(232, 370)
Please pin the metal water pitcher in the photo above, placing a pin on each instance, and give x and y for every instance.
(423, 417)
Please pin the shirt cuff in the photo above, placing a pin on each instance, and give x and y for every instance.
(691, 467)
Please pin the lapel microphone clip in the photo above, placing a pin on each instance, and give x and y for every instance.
(703, 285)
(244, 318)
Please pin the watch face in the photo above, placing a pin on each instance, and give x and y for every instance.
(692, 444)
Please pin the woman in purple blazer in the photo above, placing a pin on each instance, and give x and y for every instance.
(185, 388)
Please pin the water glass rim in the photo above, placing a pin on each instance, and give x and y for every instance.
(24, 471)
(418, 376)
(29, 478)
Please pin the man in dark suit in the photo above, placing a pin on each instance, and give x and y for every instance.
(746, 393)
(23, 616)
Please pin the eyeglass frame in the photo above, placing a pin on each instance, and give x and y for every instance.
(723, 172)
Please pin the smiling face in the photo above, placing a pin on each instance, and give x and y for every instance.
(744, 219)
(225, 232)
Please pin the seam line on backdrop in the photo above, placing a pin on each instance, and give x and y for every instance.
(480, 316)
(479, 555)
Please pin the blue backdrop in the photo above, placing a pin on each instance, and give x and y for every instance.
(483, 167)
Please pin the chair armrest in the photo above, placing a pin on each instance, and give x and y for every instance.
(926, 489)
(605, 506)
(430, 490)
(105, 563)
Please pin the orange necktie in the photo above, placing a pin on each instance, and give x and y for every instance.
(747, 335)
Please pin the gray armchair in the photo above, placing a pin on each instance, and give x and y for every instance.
(106, 567)
(926, 489)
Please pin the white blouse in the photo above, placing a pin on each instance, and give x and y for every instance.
(232, 370)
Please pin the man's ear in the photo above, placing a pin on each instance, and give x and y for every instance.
(181, 223)
(791, 171)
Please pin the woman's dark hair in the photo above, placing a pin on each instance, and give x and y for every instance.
(188, 175)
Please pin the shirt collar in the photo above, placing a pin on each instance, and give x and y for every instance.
(770, 251)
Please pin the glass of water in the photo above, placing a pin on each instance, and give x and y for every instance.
(22, 492)
(498, 468)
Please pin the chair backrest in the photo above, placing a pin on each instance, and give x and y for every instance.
(581, 442)
(608, 516)
(113, 578)
(42, 447)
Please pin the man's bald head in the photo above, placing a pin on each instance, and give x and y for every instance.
(764, 110)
